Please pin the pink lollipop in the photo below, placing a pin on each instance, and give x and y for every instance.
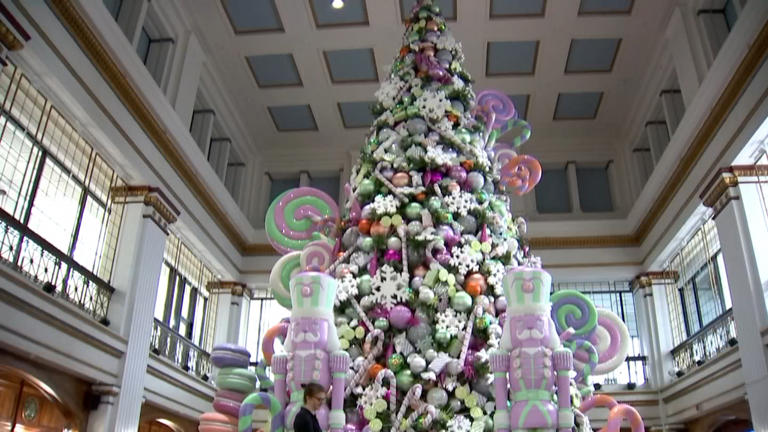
(316, 255)
(520, 174)
(296, 215)
(495, 106)
(503, 153)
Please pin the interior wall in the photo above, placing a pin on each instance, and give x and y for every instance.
(151, 412)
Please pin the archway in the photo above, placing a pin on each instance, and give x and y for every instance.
(159, 425)
(734, 425)
(29, 405)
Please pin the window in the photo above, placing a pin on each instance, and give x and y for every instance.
(264, 313)
(142, 48)
(154, 49)
(617, 297)
(328, 184)
(716, 24)
(701, 293)
(56, 185)
(552, 195)
(113, 6)
(183, 302)
(280, 185)
(594, 189)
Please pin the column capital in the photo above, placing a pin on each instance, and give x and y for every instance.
(162, 211)
(721, 189)
(12, 33)
(235, 288)
(646, 280)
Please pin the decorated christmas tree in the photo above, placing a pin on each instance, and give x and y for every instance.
(399, 300)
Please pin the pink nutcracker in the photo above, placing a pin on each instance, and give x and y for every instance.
(313, 352)
(531, 369)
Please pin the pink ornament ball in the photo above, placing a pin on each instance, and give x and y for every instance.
(400, 316)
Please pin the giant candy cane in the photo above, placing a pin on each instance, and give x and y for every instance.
(390, 377)
(370, 359)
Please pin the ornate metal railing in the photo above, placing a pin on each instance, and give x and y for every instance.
(632, 372)
(56, 272)
(705, 344)
(190, 358)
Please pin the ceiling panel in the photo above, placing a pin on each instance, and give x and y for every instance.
(577, 106)
(517, 8)
(356, 114)
(293, 118)
(351, 65)
(447, 8)
(521, 105)
(247, 16)
(273, 70)
(354, 12)
(511, 58)
(592, 55)
(605, 6)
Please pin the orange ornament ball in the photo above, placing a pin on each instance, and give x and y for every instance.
(379, 230)
(468, 165)
(374, 370)
(475, 284)
(401, 179)
(364, 226)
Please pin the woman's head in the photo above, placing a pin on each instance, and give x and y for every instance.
(314, 395)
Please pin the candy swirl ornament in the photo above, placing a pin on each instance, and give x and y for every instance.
(520, 174)
(496, 107)
(572, 309)
(280, 277)
(294, 217)
(316, 256)
(612, 341)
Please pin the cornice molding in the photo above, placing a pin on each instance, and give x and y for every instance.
(647, 279)
(74, 21)
(8, 39)
(721, 189)
(164, 213)
(235, 288)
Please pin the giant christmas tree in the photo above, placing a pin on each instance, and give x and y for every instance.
(407, 326)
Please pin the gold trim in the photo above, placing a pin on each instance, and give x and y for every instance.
(645, 280)
(728, 177)
(150, 196)
(8, 39)
(596, 264)
(234, 288)
(583, 242)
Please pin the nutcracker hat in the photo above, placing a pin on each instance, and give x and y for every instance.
(312, 295)
(527, 290)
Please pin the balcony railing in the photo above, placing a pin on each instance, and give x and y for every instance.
(187, 356)
(632, 372)
(56, 272)
(705, 344)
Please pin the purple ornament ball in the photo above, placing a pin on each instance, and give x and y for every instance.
(501, 304)
(400, 316)
(458, 173)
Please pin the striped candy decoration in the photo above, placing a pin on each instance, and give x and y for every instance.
(265, 383)
(245, 423)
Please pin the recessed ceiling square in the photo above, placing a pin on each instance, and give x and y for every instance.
(354, 12)
(247, 16)
(521, 105)
(605, 6)
(351, 65)
(517, 8)
(356, 114)
(447, 8)
(511, 58)
(293, 117)
(273, 70)
(592, 55)
(577, 106)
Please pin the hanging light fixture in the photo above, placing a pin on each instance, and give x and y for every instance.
(337, 4)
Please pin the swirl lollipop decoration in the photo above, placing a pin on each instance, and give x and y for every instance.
(617, 413)
(495, 107)
(295, 216)
(612, 341)
(520, 174)
(316, 256)
(278, 331)
(280, 277)
(572, 309)
(503, 153)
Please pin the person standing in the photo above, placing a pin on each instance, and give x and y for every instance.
(314, 398)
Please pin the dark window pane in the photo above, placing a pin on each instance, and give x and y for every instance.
(281, 185)
(329, 185)
(552, 192)
(142, 49)
(594, 190)
(113, 6)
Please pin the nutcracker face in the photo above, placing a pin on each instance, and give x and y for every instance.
(308, 333)
(528, 330)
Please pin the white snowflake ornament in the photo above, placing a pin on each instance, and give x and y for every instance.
(347, 288)
(385, 205)
(465, 259)
(388, 287)
(459, 423)
(460, 202)
(433, 104)
(451, 322)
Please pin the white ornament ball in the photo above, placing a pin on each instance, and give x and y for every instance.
(437, 397)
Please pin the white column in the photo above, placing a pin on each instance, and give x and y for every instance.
(230, 306)
(723, 194)
(682, 41)
(674, 108)
(713, 26)
(233, 180)
(643, 287)
(98, 420)
(658, 138)
(305, 180)
(218, 155)
(131, 19)
(202, 129)
(643, 162)
(189, 79)
(158, 60)
(573, 187)
(139, 257)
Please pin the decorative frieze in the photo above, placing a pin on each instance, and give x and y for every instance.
(158, 207)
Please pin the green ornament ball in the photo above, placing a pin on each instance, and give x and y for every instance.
(366, 188)
(435, 9)
(434, 204)
(461, 301)
(413, 211)
(396, 362)
(404, 380)
(454, 348)
(442, 337)
(381, 324)
(367, 244)
(482, 196)
(364, 285)
(445, 217)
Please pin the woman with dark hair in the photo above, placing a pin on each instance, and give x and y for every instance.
(314, 398)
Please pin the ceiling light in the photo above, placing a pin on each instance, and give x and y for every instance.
(337, 4)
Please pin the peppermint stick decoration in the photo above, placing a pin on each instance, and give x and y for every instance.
(489, 128)
(370, 359)
(387, 183)
(401, 233)
(413, 392)
(390, 376)
(341, 259)
(360, 312)
(467, 333)
(431, 414)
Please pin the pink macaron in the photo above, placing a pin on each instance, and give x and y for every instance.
(228, 402)
(217, 422)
